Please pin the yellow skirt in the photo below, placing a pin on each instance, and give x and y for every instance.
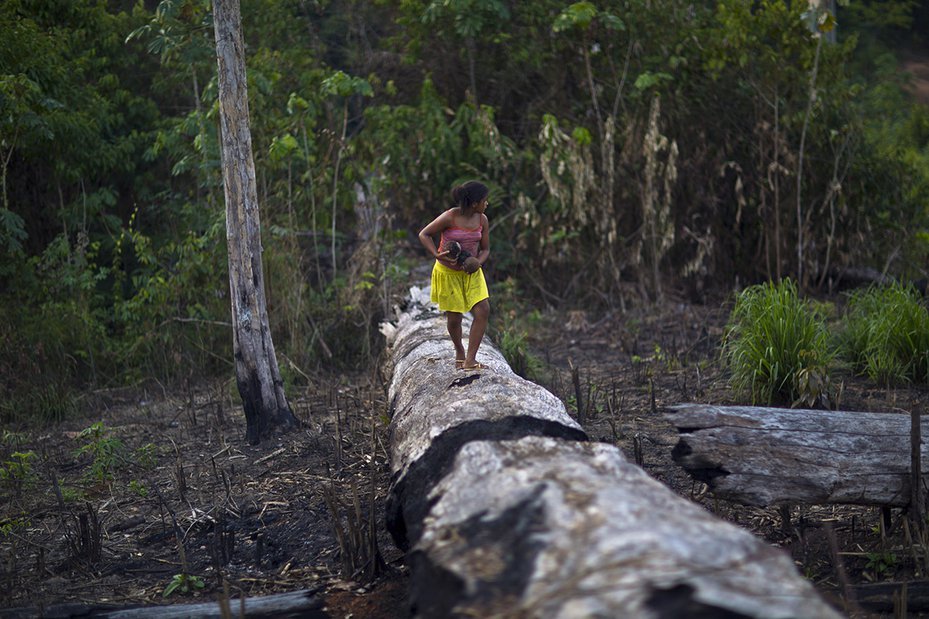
(457, 291)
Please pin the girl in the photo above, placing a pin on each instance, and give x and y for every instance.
(454, 288)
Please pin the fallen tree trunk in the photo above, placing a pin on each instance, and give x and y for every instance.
(885, 596)
(768, 456)
(305, 604)
(508, 511)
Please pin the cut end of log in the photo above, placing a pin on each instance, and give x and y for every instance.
(699, 466)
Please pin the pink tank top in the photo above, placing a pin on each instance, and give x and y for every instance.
(470, 239)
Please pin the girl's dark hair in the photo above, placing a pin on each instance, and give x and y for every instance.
(470, 193)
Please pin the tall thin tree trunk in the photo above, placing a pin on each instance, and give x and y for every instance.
(312, 190)
(257, 374)
(806, 124)
(335, 184)
(469, 45)
(201, 128)
(3, 168)
(777, 183)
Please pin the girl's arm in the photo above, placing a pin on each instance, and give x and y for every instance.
(436, 226)
(483, 251)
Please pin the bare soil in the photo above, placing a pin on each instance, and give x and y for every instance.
(182, 493)
(173, 488)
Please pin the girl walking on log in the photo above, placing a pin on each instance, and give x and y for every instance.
(458, 284)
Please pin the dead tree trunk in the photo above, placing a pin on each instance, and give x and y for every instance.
(304, 604)
(257, 374)
(507, 510)
(768, 456)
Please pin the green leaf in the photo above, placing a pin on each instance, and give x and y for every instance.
(612, 22)
(578, 15)
(12, 231)
(283, 146)
(648, 79)
(582, 136)
(296, 103)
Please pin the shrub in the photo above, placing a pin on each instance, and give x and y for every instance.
(776, 346)
(106, 451)
(516, 351)
(17, 470)
(886, 334)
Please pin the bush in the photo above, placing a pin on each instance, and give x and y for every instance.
(776, 346)
(886, 334)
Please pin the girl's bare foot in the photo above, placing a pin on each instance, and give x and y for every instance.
(476, 365)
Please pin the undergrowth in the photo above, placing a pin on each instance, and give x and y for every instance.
(777, 346)
(886, 334)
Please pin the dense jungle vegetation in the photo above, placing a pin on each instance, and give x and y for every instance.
(634, 148)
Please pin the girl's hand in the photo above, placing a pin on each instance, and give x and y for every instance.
(442, 257)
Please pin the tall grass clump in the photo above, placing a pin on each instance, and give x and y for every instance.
(886, 334)
(776, 346)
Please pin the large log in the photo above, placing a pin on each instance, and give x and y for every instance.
(304, 604)
(769, 456)
(508, 511)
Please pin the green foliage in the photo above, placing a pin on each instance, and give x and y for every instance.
(138, 488)
(509, 331)
(106, 451)
(70, 494)
(468, 17)
(883, 563)
(184, 583)
(17, 470)
(8, 526)
(777, 346)
(146, 456)
(12, 439)
(112, 236)
(513, 345)
(886, 334)
(888, 17)
(581, 16)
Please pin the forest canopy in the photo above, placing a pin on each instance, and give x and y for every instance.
(633, 147)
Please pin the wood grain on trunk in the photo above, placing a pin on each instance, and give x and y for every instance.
(768, 456)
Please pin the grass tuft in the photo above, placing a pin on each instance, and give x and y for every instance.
(776, 346)
(886, 334)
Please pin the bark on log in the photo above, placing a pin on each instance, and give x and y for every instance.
(768, 456)
(879, 597)
(304, 604)
(508, 511)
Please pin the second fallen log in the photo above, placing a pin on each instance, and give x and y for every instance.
(769, 456)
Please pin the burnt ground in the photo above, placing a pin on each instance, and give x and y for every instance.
(96, 517)
(289, 514)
